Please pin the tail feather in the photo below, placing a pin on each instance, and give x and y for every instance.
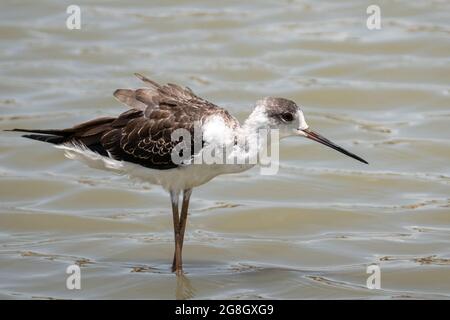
(45, 138)
(50, 135)
(55, 132)
(87, 134)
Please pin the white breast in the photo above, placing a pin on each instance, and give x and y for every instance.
(216, 131)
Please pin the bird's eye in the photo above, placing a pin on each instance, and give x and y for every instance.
(287, 117)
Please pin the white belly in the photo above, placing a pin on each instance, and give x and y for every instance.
(176, 179)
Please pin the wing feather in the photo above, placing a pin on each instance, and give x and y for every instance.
(142, 134)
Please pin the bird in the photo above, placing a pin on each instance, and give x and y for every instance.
(167, 131)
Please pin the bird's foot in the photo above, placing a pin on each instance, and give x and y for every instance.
(177, 268)
(178, 271)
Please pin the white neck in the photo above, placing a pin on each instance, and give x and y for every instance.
(256, 120)
(250, 143)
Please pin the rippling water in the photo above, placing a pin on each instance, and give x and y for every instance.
(308, 232)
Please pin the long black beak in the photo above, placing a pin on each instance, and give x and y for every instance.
(317, 137)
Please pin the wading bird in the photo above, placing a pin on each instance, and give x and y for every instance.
(139, 143)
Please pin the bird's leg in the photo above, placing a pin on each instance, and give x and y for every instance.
(174, 197)
(184, 212)
(177, 263)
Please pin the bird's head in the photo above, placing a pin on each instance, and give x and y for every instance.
(286, 116)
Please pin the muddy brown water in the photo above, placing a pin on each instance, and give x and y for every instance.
(308, 232)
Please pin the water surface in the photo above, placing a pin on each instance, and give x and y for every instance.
(308, 232)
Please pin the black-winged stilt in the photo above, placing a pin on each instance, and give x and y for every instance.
(141, 143)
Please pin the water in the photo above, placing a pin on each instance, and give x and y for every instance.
(308, 232)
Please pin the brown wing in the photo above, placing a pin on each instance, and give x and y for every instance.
(142, 134)
(155, 94)
(144, 137)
